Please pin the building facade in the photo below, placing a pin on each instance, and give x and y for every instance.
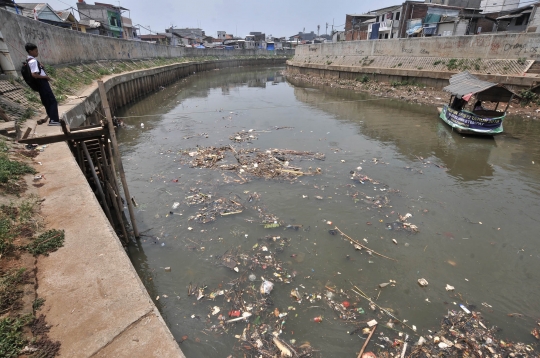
(108, 16)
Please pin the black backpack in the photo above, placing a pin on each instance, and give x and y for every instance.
(28, 78)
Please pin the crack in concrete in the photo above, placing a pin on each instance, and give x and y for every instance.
(127, 328)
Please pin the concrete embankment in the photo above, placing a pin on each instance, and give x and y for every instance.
(506, 58)
(95, 302)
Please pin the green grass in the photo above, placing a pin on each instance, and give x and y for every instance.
(11, 336)
(47, 242)
(10, 291)
(11, 170)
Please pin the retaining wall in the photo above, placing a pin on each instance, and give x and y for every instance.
(60, 46)
(128, 87)
(501, 58)
(489, 46)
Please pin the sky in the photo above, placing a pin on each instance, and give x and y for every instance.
(240, 17)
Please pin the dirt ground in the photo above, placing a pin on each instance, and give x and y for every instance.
(413, 93)
(19, 200)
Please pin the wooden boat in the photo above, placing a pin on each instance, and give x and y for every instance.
(459, 113)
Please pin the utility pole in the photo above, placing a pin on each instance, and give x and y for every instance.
(318, 28)
(327, 28)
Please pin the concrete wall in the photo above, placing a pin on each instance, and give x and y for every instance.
(128, 87)
(60, 46)
(489, 46)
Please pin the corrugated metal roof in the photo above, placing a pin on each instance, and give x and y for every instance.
(464, 83)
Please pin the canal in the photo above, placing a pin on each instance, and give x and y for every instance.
(471, 208)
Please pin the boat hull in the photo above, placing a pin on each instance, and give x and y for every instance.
(469, 123)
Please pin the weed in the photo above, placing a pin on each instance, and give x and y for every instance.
(419, 68)
(363, 79)
(527, 97)
(6, 235)
(328, 62)
(31, 96)
(27, 114)
(10, 290)
(403, 83)
(47, 242)
(103, 71)
(522, 61)
(11, 336)
(11, 171)
(399, 64)
(452, 64)
(51, 71)
(38, 302)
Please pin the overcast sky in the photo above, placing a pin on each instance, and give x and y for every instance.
(240, 17)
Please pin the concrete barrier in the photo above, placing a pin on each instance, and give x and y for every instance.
(61, 46)
(490, 46)
(500, 58)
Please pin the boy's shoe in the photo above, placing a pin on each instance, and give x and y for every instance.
(54, 123)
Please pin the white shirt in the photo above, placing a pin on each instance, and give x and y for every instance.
(34, 68)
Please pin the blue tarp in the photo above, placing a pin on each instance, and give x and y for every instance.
(375, 31)
(414, 30)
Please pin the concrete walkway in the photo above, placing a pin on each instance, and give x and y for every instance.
(95, 303)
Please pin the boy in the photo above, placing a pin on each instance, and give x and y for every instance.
(45, 93)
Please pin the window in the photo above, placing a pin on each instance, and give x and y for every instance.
(113, 21)
(397, 15)
(522, 19)
(377, 19)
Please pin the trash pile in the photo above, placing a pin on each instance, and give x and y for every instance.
(269, 164)
(462, 334)
(244, 136)
(211, 207)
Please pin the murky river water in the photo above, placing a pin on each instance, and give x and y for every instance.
(475, 202)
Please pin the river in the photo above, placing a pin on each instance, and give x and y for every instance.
(475, 202)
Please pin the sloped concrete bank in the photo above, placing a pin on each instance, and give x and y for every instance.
(501, 58)
(95, 302)
(431, 78)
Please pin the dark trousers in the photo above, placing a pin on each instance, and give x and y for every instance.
(48, 100)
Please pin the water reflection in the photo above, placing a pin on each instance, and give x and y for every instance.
(415, 131)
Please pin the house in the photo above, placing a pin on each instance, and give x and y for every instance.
(428, 19)
(108, 16)
(259, 38)
(338, 36)
(194, 35)
(162, 39)
(249, 42)
(68, 17)
(356, 26)
(221, 35)
(42, 12)
(129, 31)
(304, 37)
(525, 18)
(386, 24)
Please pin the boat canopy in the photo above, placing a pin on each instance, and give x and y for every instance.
(464, 84)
